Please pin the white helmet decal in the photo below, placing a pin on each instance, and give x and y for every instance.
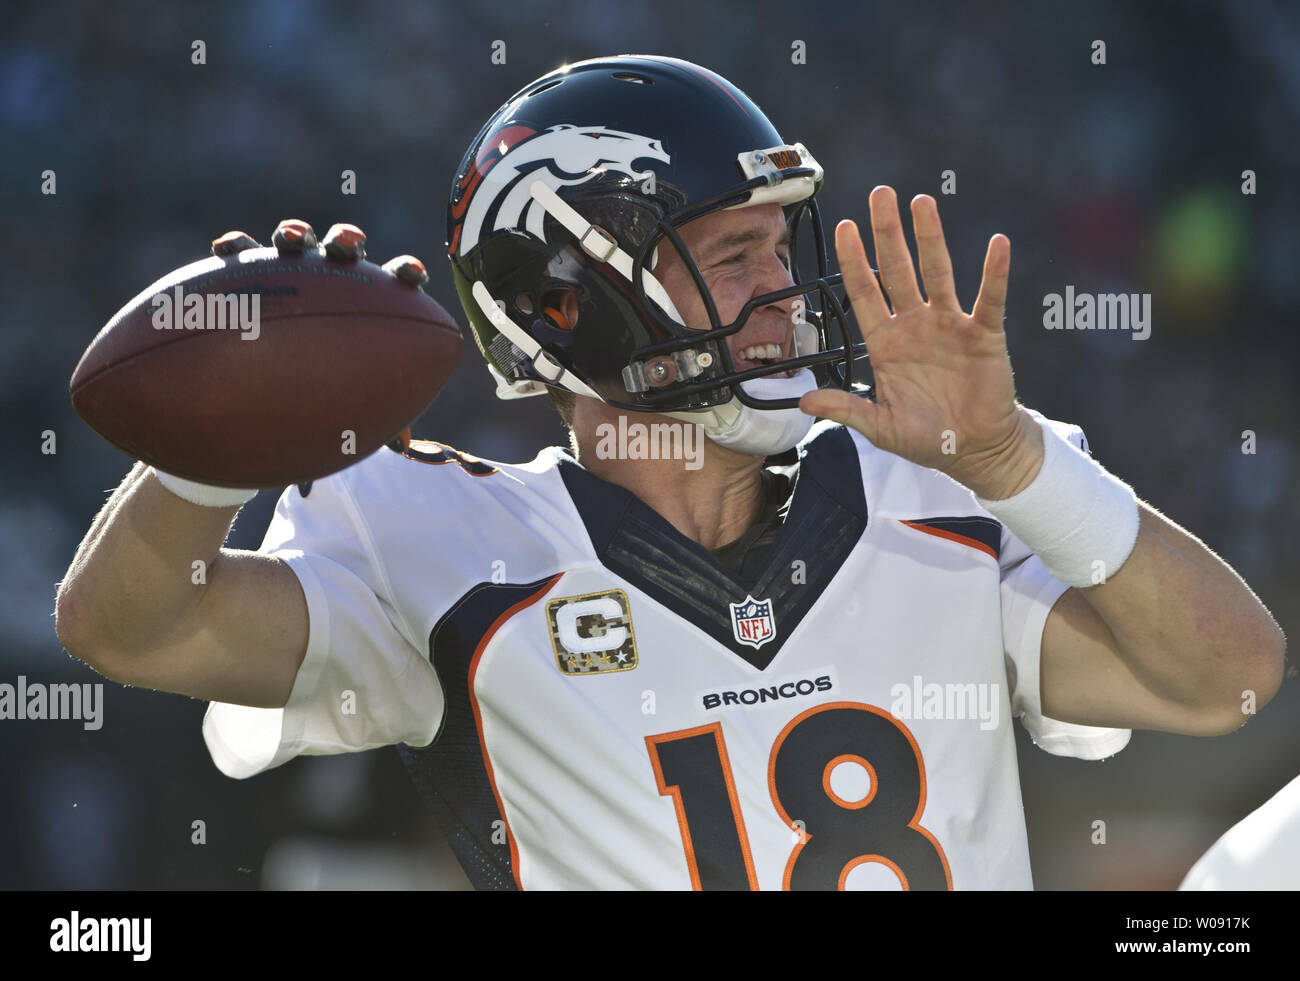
(562, 156)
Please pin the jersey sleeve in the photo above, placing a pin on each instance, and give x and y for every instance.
(1029, 592)
(363, 682)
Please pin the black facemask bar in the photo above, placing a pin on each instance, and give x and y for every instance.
(707, 350)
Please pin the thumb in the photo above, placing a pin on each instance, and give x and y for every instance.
(839, 406)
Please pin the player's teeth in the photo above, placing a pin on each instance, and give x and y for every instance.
(764, 351)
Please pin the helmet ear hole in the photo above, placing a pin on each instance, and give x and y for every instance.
(560, 307)
(556, 316)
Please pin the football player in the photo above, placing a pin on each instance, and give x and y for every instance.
(794, 665)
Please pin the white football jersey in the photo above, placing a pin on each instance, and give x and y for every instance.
(589, 700)
(1261, 851)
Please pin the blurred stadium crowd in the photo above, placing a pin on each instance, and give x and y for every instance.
(1116, 177)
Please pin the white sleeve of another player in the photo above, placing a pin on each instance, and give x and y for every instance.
(1261, 851)
(363, 683)
(1028, 593)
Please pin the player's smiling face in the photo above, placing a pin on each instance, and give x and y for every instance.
(741, 254)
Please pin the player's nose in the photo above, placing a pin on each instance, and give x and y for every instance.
(775, 276)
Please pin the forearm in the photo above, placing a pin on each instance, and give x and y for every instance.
(1186, 623)
(133, 578)
(1155, 606)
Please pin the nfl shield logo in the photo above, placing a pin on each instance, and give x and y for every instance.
(752, 623)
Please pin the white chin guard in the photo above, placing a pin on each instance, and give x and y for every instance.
(758, 432)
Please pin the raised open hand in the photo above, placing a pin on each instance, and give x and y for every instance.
(945, 397)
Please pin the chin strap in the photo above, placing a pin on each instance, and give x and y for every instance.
(758, 432)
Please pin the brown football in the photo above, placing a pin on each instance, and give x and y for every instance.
(289, 367)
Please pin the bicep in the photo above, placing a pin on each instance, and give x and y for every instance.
(1086, 680)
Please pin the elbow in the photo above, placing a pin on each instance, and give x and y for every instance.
(1258, 678)
(1270, 669)
(76, 635)
(67, 621)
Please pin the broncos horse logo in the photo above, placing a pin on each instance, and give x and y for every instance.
(494, 191)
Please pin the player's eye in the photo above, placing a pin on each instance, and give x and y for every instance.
(739, 257)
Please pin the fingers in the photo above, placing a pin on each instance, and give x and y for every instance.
(343, 242)
(293, 235)
(859, 280)
(892, 253)
(932, 250)
(233, 242)
(346, 243)
(408, 269)
(991, 304)
(839, 406)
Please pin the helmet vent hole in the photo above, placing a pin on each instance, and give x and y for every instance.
(630, 77)
(548, 85)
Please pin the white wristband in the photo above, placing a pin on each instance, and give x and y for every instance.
(204, 494)
(1076, 516)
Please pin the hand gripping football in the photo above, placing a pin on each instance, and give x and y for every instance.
(261, 367)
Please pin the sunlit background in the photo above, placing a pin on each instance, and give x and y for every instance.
(1118, 177)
